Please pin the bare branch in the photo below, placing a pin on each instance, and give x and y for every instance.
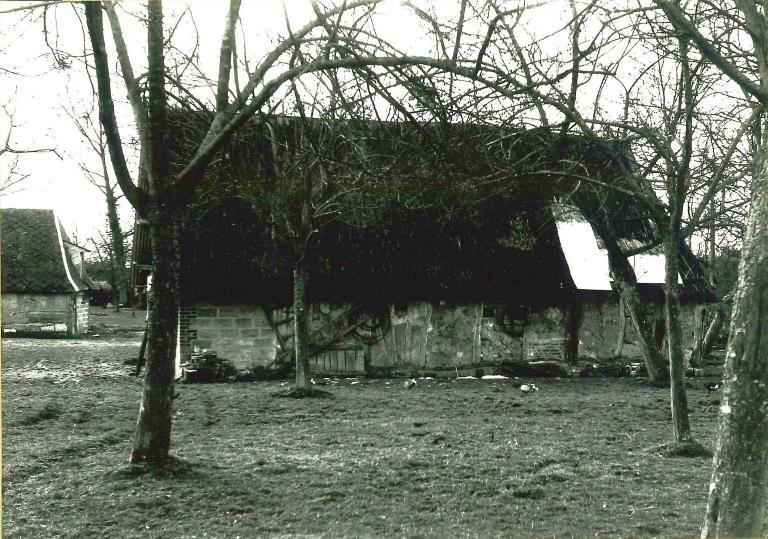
(133, 194)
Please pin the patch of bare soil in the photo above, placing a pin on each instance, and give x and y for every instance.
(445, 458)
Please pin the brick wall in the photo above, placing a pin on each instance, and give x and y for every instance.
(242, 334)
(81, 314)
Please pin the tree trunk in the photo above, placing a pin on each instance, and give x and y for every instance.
(117, 239)
(153, 430)
(713, 331)
(739, 490)
(300, 307)
(626, 284)
(703, 346)
(681, 427)
(699, 331)
(301, 325)
(622, 328)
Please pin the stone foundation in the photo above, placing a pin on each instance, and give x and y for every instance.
(64, 313)
(420, 336)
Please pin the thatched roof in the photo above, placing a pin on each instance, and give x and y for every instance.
(35, 256)
(462, 213)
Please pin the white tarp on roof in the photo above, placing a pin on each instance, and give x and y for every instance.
(588, 263)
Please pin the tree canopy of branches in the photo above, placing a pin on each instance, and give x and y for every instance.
(667, 79)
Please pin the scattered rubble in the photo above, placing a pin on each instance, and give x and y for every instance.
(207, 367)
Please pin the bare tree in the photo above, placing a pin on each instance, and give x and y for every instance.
(555, 84)
(94, 137)
(11, 176)
(331, 40)
(739, 490)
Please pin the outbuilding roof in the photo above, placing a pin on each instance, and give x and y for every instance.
(36, 257)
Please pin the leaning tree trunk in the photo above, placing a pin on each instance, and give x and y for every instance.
(703, 347)
(622, 333)
(153, 430)
(681, 427)
(626, 284)
(301, 325)
(739, 490)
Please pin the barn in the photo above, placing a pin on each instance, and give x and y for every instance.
(518, 274)
(45, 288)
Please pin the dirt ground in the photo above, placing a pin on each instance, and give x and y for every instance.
(447, 458)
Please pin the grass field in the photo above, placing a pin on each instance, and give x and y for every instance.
(448, 458)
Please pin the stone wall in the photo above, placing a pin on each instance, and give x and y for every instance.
(418, 336)
(455, 336)
(496, 345)
(545, 336)
(63, 313)
(599, 332)
(242, 334)
(601, 325)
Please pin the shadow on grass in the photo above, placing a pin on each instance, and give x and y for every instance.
(689, 449)
(173, 468)
(51, 410)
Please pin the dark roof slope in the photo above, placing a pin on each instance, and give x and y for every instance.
(470, 190)
(32, 259)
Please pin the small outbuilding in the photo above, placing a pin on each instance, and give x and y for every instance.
(45, 289)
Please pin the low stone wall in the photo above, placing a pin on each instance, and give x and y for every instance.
(64, 313)
(418, 336)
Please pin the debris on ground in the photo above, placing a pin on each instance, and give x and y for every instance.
(532, 369)
(206, 366)
(610, 368)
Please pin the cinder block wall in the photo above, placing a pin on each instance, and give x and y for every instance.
(241, 334)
